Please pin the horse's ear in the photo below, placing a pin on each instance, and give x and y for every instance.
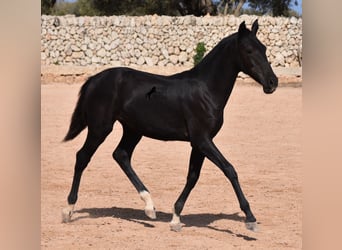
(255, 27)
(242, 28)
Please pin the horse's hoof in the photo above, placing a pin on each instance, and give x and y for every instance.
(252, 226)
(151, 213)
(66, 214)
(176, 227)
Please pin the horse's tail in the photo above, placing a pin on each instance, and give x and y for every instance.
(78, 121)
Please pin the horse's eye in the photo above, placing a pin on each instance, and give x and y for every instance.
(249, 51)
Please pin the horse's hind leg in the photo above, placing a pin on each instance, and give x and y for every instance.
(94, 138)
(122, 155)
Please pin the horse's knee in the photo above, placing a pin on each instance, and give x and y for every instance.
(194, 175)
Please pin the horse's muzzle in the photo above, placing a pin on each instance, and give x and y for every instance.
(271, 85)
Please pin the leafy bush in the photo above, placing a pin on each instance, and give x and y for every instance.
(200, 50)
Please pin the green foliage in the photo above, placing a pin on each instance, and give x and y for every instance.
(160, 7)
(125, 7)
(274, 7)
(64, 8)
(200, 50)
(294, 13)
(86, 8)
(46, 6)
(250, 11)
(259, 7)
(166, 7)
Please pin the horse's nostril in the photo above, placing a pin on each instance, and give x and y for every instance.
(273, 82)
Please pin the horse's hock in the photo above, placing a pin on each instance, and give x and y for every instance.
(158, 40)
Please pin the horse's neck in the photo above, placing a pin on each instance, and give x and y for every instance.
(219, 71)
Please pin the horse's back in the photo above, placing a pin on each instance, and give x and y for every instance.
(151, 104)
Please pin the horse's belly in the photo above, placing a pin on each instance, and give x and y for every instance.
(158, 122)
(155, 128)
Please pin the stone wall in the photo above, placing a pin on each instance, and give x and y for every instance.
(158, 40)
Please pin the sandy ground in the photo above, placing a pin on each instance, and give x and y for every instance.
(261, 137)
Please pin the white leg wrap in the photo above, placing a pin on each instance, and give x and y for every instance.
(149, 206)
(175, 223)
(252, 226)
(67, 213)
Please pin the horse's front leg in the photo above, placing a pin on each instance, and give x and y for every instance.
(208, 148)
(196, 162)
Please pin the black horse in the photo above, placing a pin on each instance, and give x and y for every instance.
(187, 106)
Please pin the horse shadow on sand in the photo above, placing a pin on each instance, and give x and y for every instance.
(138, 216)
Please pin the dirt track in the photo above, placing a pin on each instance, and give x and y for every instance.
(261, 138)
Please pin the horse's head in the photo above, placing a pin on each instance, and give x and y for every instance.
(253, 60)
